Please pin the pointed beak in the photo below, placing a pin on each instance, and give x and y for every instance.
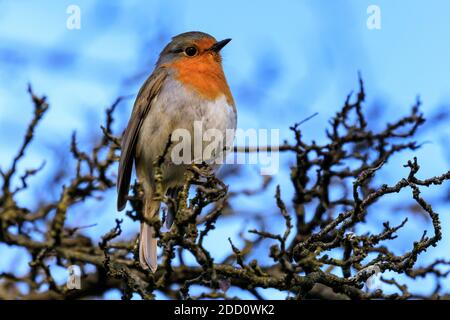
(216, 47)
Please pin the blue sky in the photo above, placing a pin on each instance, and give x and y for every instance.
(287, 60)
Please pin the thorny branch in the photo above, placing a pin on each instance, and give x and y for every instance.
(319, 254)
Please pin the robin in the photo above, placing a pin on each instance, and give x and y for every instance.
(188, 85)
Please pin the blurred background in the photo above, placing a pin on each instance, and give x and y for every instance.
(287, 60)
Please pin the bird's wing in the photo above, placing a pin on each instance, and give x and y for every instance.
(142, 105)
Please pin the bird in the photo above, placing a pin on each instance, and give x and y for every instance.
(187, 85)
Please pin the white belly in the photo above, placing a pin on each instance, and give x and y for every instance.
(178, 108)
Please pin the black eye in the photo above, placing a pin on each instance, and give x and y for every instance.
(190, 51)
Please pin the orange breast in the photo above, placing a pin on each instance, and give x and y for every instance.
(204, 74)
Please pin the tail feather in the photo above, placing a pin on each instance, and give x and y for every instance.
(147, 241)
(147, 248)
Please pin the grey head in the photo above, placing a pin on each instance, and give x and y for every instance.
(189, 45)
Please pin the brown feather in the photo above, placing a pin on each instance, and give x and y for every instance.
(142, 105)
